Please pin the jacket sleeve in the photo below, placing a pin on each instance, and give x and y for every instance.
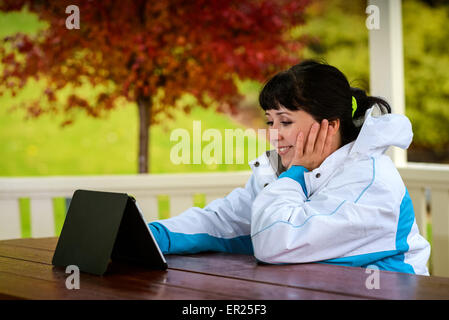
(289, 227)
(223, 225)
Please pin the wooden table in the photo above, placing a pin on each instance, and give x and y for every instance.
(26, 273)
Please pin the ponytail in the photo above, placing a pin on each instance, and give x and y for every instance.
(364, 102)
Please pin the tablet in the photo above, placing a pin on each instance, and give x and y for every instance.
(101, 227)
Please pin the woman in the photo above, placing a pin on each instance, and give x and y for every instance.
(333, 197)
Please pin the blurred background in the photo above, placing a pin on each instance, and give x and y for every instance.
(41, 140)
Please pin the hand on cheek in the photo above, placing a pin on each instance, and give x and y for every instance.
(311, 152)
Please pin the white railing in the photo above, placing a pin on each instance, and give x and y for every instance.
(180, 188)
(428, 185)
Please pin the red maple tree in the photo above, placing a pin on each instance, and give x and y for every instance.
(146, 50)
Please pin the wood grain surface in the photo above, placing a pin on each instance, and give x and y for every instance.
(26, 272)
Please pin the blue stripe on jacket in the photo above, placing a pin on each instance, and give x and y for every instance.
(296, 173)
(181, 243)
(392, 260)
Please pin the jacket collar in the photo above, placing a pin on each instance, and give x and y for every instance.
(268, 167)
(318, 177)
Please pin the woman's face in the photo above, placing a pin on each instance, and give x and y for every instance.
(284, 126)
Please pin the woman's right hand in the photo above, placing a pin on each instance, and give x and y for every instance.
(311, 153)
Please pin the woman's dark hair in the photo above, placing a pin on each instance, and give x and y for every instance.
(322, 91)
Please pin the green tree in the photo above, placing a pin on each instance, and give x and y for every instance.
(426, 74)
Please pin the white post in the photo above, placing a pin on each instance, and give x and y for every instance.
(387, 62)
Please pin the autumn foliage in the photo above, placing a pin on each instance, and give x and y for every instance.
(146, 50)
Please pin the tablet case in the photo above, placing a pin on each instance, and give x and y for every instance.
(101, 227)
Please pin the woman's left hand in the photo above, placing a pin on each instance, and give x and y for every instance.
(312, 153)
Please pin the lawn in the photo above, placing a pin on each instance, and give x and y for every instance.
(40, 147)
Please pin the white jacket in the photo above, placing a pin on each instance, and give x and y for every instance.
(352, 210)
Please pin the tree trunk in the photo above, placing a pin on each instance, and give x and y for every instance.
(144, 105)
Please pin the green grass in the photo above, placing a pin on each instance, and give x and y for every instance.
(429, 238)
(40, 147)
(59, 212)
(25, 217)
